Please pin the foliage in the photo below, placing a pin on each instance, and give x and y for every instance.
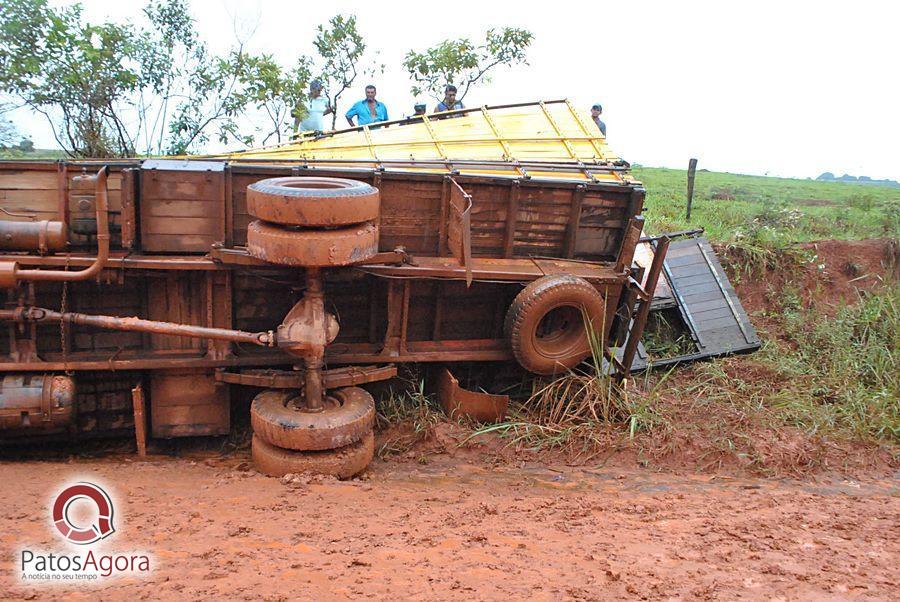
(8, 132)
(123, 89)
(408, 406)
(188, 91)
(463, 63)
(340, 48)
(277, 94)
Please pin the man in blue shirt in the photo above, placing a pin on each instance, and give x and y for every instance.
(449, 103)
(368, 110)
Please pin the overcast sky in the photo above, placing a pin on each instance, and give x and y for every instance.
(786, 88)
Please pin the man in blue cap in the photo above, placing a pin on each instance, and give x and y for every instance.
(367, 110)
(596, 111)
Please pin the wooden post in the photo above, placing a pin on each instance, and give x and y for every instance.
(140, 422)
(692, 170)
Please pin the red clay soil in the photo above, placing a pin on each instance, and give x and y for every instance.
(834, 272)
(455, 531)
(444, 521)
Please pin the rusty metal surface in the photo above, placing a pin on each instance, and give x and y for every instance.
(514, 270)
(41, 236)
(458, 402)
(30, 403)
(121, 261)
(99, 182)
(312, 248)
(40, 314)
(129, 208)
(346, 376)
(434, 301)
(8, 270)
(312, 201)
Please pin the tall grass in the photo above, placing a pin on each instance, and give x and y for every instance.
(825, 374)
(409, 406)
(583, 406)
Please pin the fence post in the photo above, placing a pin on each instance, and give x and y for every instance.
(692, 170)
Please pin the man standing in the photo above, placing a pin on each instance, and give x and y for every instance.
(367, 110)
(596, 111)
(316, 109)
(449, 103)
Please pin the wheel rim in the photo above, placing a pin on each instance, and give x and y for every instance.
(560, 331)
(314, 185)
(297, 403)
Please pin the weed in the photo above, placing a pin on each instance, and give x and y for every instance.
(836, 374)
(586, 407)
(409, 407)
(665, 336)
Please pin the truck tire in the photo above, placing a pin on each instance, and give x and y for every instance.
(312, 248)
(545, 324)
(348, 416)
(312, 202)
(342, 463)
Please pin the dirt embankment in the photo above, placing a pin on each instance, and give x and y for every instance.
(824, 274)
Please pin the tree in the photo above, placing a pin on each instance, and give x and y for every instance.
(340, 47)
(276, 94)
(463, 64)
(116, 90)
(8, 132)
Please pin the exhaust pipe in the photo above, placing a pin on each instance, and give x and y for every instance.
(10, 274)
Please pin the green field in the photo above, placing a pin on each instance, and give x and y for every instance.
(38, 153)
(766, 212)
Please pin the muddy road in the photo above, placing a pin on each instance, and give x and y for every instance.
(454, 530)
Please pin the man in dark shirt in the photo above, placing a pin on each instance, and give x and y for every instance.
(596, 111)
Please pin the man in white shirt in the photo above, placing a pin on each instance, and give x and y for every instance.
(316, 108)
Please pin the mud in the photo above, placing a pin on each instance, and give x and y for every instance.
(447, 529)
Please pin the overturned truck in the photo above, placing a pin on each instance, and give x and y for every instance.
(138, 293)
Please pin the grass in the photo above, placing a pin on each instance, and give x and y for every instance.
(826, 375)
(586, 406)
(763, 213)
(38, 153)
(409, 406)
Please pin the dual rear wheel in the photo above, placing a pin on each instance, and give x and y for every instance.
(289, 438)
(312, 222)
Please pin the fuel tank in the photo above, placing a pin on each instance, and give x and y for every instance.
(36, 404)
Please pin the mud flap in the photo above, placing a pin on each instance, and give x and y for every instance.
(458, 402)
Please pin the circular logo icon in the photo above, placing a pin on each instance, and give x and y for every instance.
(83, 534)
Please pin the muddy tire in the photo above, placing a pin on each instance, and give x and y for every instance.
(312, 202)
(342, 463)
(348, 416)
(545, 324)
(312, 248)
